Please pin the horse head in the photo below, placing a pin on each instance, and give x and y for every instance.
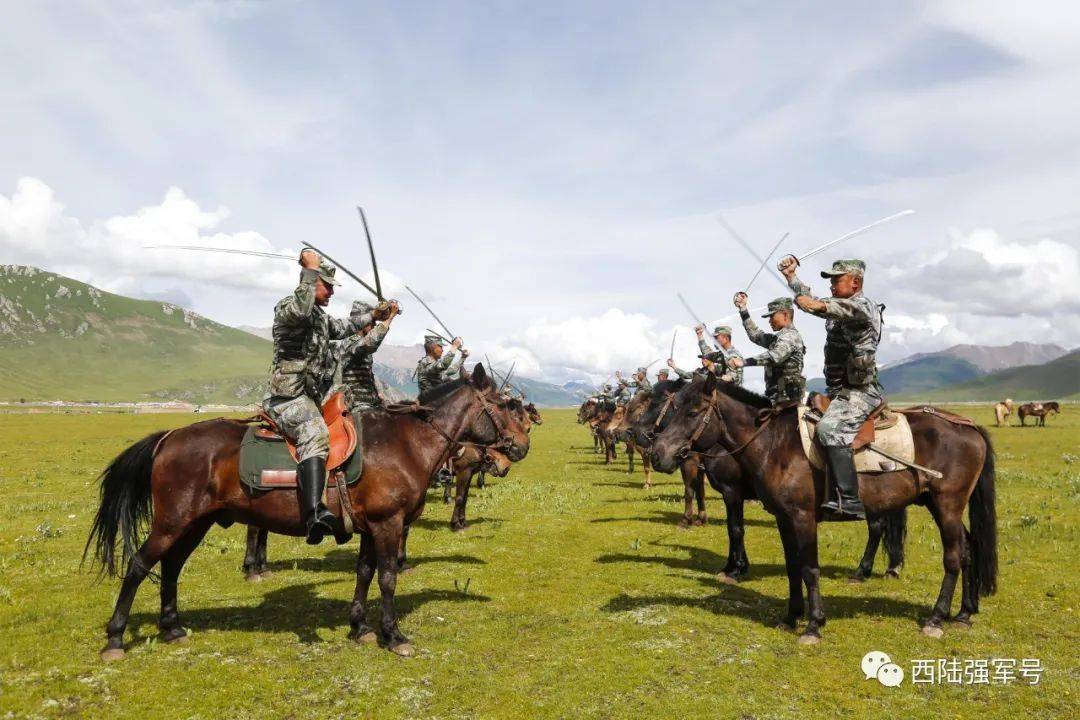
(656, 412)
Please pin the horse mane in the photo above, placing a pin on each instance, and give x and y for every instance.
(749, 397)
(441, 391)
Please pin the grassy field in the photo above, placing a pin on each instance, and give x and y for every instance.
(573, 594)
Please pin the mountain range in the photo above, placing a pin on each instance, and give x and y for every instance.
(63, 339)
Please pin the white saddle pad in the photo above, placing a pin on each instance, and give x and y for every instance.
(896, 440)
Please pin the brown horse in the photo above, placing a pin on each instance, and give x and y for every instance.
(621, 427)
(1039, 411)
(471, 461)
(765, 442)
(726, 477)
(586, 413)
(182, 482)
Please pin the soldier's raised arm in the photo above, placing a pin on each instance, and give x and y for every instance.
(756, 334)
(301, 303)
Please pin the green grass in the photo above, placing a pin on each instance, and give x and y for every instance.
(572, 594)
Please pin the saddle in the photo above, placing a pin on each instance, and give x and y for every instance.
(886, 429)
(338, 419)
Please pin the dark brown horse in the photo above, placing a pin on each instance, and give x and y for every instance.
(586, 413)
(725, 476)
(621, 426)
(1039, 411)
(765, 442)
(182, 482)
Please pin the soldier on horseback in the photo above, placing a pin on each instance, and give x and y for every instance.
(438, 366)
(356, 355)
(783, 359)
(722, 335)
(853, 331)
(639, 380)
(303, 362)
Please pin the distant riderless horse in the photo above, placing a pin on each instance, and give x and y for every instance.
(1039, 411)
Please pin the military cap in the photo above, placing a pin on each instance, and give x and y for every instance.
(843, 267)
(327, 273)
(361, 312)
(779, 304)
(662, 371)
(642, 370)
(432, 340)
(712, 356)
(721, 330)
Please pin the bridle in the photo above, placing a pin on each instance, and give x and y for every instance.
(765, 417)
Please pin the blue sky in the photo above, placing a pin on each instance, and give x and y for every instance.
(550, 174)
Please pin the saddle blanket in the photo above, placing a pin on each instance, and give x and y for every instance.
(896, 440)
(267, 464)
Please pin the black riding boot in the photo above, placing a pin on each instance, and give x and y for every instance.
(311, 477)
(846, 482)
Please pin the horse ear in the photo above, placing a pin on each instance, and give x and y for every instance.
(480, 379)
(710, 384)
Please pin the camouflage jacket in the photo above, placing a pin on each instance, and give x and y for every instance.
(852, 333)
(622, 394)
(356, 368)
(728, 353)
(684, 374)
(783, 359)
(431, 373)
(303, 362)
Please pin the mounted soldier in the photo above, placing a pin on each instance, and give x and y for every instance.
(621, 393)
(356, 355)
(853, 330)
(722, 335)
(639, 380)
(303, 364)
(438, 366)
(783, 359)
(662, 375)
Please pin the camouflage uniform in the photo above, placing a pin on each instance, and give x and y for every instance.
(642, 385)
(356, 360)
(783, 361)
(622, 393)
(431, 373)
(853, 331)
(304, 364)
(723, 371)
(684, 374)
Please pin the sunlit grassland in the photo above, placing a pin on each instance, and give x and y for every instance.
(572, 594)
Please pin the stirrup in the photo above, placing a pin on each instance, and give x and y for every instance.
(843, 512)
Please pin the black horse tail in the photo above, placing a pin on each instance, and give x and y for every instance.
(982, 514)
(126, 505)
(896, 536)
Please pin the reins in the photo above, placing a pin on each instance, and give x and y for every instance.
(765, 417)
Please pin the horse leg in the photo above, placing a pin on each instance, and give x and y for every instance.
(461, 500)
(387, 540)
(264, 569)
(251, 555)
(361, 632)
(630, 458)
(791, 565)
(142, 562)
(805, 527)
(951, 526)
(646, 466)
(969, 594)
(699, 497)
(738, 565)
(688, 469)
(895, 537)
(875, 528)
(402, 560)
(171, 565)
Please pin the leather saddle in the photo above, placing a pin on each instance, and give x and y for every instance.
(881, 418)
(335, 413)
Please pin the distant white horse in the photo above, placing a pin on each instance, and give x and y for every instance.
(1003, 410)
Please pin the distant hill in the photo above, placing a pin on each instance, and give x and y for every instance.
(63, 339)
(1055, 380)
(924, 372)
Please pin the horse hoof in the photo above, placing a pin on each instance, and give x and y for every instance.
(933, 631)
(726, 579)
(112, 654)
(961, 623)
(808, 639)
(368, 638)
(253, 578)
(266, 574)
(892, 574)
(402, 649)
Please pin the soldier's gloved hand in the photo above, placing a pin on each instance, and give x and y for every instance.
(787, 265)
(456, 344)
(700, 330)
(740, 300)
(671, 363)
(735, 363)
(309, 259)
(395, 308)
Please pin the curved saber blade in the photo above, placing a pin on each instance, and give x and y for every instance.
(344, 270)
(506, 378)
(764, 262)
(750, 249)
(440, 336)
(231, 251)
(674, 334)
(853, 233)
(371, 250)
(690, 309)
(430, 312)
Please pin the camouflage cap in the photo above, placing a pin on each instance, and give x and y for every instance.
(361, 313)
(642, 370)
(843, 267)
(327, 273)
(432, 340)
(662, 372)
(712, 356)
(779, 304)
(721, 330)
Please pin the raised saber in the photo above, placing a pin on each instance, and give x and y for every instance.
(371, 249)
(674, 334)
(431, 312)
(690, 310)
(749, 248)
(853, 233)
(439, 335)
(764, 262)
(231, 251)
(345, 270)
